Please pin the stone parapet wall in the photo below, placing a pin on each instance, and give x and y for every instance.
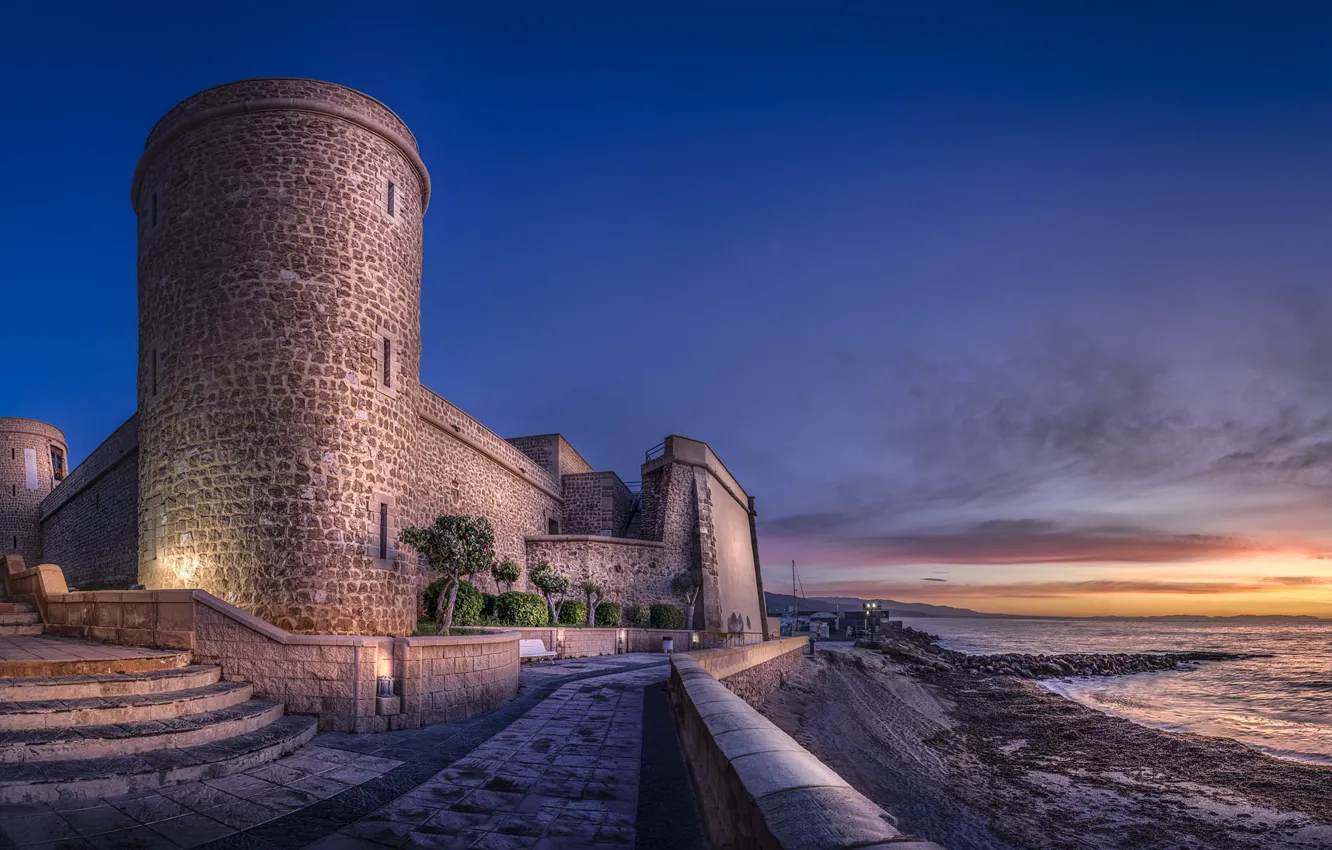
(443, 679)
(90, 521)
(755, 785)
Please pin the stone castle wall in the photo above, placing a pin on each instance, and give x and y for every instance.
(272, 274)
(26, 478)
(89, 522)
(283, 439)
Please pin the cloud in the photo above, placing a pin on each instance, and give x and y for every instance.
(1077, 589)
(1027, 541)
(934, 579)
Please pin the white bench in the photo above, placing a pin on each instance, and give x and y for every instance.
(533, 648)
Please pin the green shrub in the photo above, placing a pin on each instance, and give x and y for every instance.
(638, 616)
(488, 604)
(467, 607)
(667, 616)
(516, 608)
(573, 612)
(608, 615)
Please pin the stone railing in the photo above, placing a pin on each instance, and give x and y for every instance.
(582, 642)
(757, 787)
(334, 677)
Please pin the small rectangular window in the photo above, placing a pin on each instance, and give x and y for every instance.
(154, 209)
(388, 362)
(15, 542)
(57, 464)
(552, 526)
(383, 531)
(392, 200)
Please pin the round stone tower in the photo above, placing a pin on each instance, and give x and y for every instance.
(279, 350)
(33, 460)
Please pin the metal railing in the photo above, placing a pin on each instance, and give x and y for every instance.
(659, 450)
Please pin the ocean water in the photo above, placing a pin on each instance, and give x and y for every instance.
(1281, 705)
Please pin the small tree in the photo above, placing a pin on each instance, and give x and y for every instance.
(552, 583)
(686, 587)
(507, 572)
(593, 593)
(456, 547)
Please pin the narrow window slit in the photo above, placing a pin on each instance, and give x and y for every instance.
(383, 531)
(392, 199)
(388, 362)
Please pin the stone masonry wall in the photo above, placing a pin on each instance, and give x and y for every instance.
(461, 467)
(543, 449)
(25, 441)
(90, 522)
(594, 503)
(631, 572)
(271, 276)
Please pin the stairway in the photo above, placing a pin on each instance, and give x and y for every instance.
(125, 724)
(19, 618)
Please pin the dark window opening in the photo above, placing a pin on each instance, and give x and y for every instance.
(15, 542)
(392, 200)
(57, 464)
(388, 362)
(383, 531)
(154, 209)
(552, 526)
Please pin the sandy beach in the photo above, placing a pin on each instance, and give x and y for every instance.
(999, 762)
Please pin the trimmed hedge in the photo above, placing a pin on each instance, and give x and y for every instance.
(516, 608)
(638, 616)
(666, 616)
(467, 606)
(608, 615)
(573, 612)
(488, 604)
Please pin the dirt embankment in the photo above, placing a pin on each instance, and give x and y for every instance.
(997, 762)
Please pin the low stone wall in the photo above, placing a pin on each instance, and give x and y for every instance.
(334, 677)
(570, 642)
(757, 787)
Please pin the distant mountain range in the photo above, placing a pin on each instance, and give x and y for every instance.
(780, 601)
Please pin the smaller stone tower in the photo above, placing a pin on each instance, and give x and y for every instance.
(33, 460)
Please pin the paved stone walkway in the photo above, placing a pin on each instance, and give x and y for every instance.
(557, 767)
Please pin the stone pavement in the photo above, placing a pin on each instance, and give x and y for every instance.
(53, 648)
(557, 767)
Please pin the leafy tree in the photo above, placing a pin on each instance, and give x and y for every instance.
(593, 594)
(686, 587)
(468, 607)
(456, 546)
(552, 584)
(506, 572)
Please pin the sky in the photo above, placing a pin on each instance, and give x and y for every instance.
(1021, 307)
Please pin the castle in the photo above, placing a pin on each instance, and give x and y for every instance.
(282, 437)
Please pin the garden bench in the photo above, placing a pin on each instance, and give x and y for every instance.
(533, 649)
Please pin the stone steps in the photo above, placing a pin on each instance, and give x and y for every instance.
(26, 618)
(16, 608)
(108, 684)
(149, 660)
(129, 708)
(84, 718)
(31, 782)
(84, 742)
(20, 628)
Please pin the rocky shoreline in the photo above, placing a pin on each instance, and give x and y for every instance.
(913, 646)
(978, 760)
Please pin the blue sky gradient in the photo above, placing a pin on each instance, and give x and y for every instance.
(1033, 297)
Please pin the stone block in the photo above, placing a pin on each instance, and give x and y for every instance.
(769, 772)
(826, 817)
(388, 706)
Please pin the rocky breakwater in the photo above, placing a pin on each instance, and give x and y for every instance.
(920, 648)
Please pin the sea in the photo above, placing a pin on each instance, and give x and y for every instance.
(1281, 705)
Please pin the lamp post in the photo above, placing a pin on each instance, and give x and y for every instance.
(871, 618)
